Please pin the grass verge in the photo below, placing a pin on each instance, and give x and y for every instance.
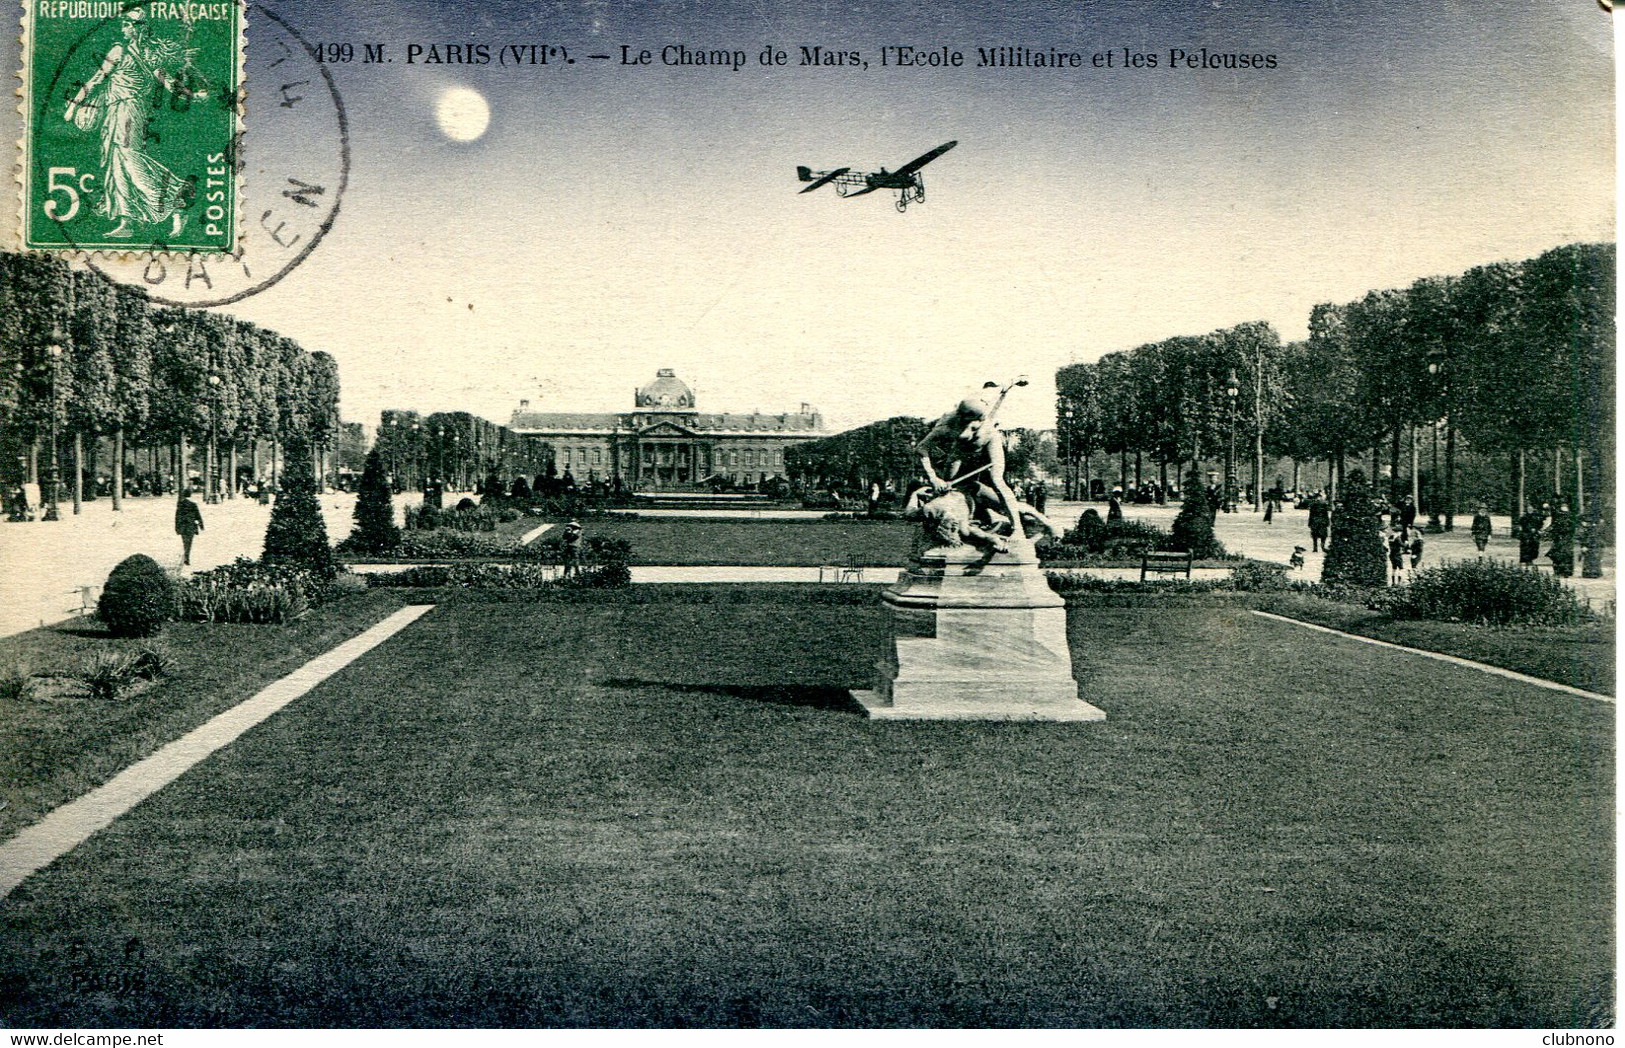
(1579, 656)
(63, 744)
(742, 541)
(670, 814)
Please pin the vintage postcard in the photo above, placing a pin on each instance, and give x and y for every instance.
(531, 515)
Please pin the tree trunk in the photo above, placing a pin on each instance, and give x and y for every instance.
(1449, 477)
(1557, 477)
(33, 461)
(118, 469)
(1579, 482)
(1416, 488)
(1137, 480)
(78, 472)
(1258, 468)
(1295, 477)
(231, 483)
(1393, 466)
(1517, 468)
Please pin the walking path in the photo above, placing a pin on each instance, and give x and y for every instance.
(48, 568)
(65, 828)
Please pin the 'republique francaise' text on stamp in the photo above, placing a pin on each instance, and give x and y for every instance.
(132, 113)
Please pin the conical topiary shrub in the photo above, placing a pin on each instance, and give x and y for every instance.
(1193, 528)
(297, 536)
(1357, 555)
(137, 598)
(375, 530)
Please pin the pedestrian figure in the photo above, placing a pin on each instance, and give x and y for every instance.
(188, 522)
(874, 497)
(1415, 547)
(1269, 511)
(1562, 536)
(1114, 508)
(1320, 523)
(1295, 562)
(1481, 527)
(1529, 526)
(572, 548)
(1398, 546)
(1407, 513)
(1041, 497)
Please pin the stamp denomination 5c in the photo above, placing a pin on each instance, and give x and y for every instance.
(132, 118)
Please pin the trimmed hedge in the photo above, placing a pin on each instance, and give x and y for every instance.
(1495, 593)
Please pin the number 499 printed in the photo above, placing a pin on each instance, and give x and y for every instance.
(132, 112)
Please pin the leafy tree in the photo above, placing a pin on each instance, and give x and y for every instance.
(132, 385)
(296, 535)
(1356, 555)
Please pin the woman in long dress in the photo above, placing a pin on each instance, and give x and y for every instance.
(117, 103)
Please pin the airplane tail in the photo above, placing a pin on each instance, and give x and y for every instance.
(804, 173)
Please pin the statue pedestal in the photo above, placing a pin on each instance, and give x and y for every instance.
(976, 637)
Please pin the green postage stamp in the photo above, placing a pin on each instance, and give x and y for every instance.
(132, 112)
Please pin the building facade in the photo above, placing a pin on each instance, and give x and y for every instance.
(665, 443)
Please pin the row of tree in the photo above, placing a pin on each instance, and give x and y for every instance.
(1508, 359)
(456, 449)
(884, 453)
(85, 361)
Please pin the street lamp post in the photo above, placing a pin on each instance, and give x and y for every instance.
(417, 455)
(1070, 452)
(1230, 391)
(55, 350)
(211, 461)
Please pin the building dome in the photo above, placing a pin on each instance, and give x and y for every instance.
(666, 391)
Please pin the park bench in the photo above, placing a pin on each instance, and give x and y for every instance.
(1152, 562)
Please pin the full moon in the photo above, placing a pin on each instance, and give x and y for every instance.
(462, 113)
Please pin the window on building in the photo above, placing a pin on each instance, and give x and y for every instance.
(597, 456)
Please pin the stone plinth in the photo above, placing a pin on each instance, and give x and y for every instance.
(976, 637)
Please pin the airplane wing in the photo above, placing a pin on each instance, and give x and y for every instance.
(865, 189)
(827, 178)
(919, 162)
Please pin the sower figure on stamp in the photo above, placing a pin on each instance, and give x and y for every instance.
(116, 102)
(972, 446)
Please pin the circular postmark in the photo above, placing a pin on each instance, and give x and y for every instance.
(291, 163)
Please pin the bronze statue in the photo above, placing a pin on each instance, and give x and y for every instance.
(972, 448)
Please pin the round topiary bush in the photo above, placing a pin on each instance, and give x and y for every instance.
(137, 598)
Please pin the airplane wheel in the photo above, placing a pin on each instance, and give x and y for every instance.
(902, 203)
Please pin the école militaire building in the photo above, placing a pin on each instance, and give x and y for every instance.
(665, 443)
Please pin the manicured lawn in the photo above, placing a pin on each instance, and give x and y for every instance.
(667, 813)
(62, 743)
(784, 543)
(1579, 656)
